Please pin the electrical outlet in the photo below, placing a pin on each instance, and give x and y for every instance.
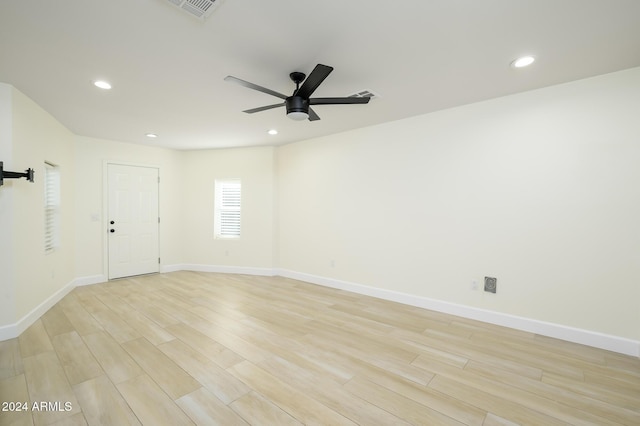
(490, 284)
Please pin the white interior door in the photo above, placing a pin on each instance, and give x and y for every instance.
(132, 220)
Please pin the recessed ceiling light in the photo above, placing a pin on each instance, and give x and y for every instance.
(102, 84)
(151, 135)
(273, 132)
(523, 61)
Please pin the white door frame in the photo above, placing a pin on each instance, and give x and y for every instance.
(105, 209)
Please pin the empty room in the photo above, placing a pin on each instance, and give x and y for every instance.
(246, 212)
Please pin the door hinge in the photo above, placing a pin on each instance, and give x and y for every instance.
(158, 260)
(158, 219)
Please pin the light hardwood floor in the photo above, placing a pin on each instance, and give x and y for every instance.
(196, 348)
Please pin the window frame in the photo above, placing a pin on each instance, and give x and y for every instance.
(228, 209)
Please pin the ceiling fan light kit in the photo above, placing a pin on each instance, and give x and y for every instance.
(297, 105)
(297, 108)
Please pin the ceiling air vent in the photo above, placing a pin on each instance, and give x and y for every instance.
(198, 8)
(364, 94)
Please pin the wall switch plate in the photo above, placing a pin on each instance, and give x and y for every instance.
(490, 284)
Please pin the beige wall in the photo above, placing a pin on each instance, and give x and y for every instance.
(538, 189)
(7, 276)
(37, 137)
(255, 168)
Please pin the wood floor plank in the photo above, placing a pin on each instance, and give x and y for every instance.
(219, 382)
(399, 405)
(499, 355)
(47, 383)
(238, 345)
(83, 322)
(34, 340)
(142, 304)
(580, 402)
(113, 359)
(14, 389)
(78, 362)
(504, 408)
(369, 347)
(616, 397)
(114, 324)
(150, 404)
(329, 392)
(421, 393)
(205, 409)
(257, 410)
(146, 327)
(10, 359)
(506, 390)
(56, 322)
(303, 408)
(174, 380)
(493, 420)
(75, 420)
(213, 350)
(102, 404)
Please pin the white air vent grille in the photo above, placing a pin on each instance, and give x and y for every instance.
(198, 8)
(364, 94)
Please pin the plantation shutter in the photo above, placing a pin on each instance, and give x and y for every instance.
(228, 203)
(51, 207)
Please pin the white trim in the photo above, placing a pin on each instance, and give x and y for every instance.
(8, 332)
(245, 270)
(89, 280)
(576, 335)
(14, 330)
(171, 268)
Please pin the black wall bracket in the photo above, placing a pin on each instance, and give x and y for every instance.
(28, 174)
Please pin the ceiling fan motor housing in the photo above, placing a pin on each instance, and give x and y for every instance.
(297, 104)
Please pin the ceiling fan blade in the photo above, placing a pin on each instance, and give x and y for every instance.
(255, 87)
(338, 101)
(313, 116)
(264, 108)
(317, 76)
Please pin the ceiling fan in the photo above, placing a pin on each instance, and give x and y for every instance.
(298, 104)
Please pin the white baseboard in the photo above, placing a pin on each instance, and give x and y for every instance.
(8, 331)
(585, 337)
(14, 330)
(171, 268)
(89, 280)
(245, 270)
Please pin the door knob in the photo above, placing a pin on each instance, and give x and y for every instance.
(112, 230)
(112, 222)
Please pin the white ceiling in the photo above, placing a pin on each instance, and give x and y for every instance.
(167, 68)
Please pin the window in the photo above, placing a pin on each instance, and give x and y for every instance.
(227, 208)
(51, 207)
